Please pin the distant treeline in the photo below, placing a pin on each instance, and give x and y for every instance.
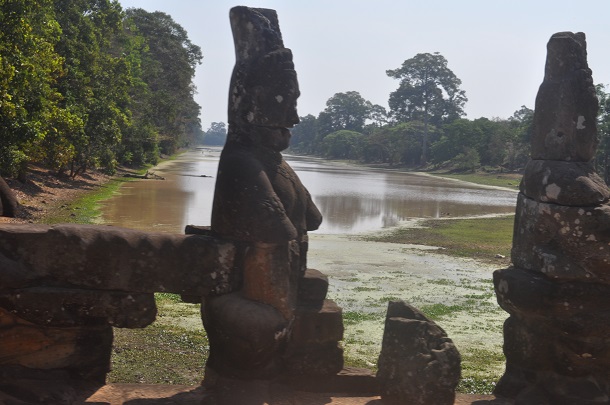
(85, 84)
(424, 127)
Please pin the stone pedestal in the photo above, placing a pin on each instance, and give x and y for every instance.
(314, 347)
(556, 339)
(81, 351)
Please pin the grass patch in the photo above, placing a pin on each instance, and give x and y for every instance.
(477, 238)
(442, 281)
(481, 369)
(363, 289)
(352, 318)
(358, 362)
(158, 354)
(508, 180)
(438, 311)
(162, 298)
(162, 353)
(85, 210)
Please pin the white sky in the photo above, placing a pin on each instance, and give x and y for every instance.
(496, 47)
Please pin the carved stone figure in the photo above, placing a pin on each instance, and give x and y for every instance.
(258, 197)
(556, 338)
(63, 287)
(259, 201)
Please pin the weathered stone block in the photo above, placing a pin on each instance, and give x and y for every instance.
(268, 277)
(317, 325)
(569, 308)
(566, 105)
(560, 369)
(556, 339)
(315, 360)
(73, 307)
(520, 345)
(26, 386)
(109, 258)
(82, 351)
(418, 363)
(564, 183)
(247, 337)
(563, 243)
(313, 287)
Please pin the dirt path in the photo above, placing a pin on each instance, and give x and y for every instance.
(44, 193)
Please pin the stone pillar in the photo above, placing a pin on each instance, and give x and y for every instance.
(556, 339)
(314, 348)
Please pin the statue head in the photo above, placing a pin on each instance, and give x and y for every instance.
(264, 88)
(566, 53)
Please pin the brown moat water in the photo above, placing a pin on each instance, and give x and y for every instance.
(352, 199)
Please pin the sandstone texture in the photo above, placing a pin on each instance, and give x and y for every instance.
(63, 288)
(418, 363)
(556, 292)
(278, 321)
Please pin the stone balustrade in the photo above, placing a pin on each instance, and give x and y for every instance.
(63, 288)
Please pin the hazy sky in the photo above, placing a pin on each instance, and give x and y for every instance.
(496, 47)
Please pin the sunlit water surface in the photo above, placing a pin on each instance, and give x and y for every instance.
(352, 199)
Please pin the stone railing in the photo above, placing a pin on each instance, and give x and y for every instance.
(63, 288)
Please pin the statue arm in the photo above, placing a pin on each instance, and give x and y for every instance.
(245, 205)
(313, 217)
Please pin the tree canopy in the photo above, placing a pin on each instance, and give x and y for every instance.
(424, 127)
(216, 135)
(428, 91)
(85, 84)
(347, 111)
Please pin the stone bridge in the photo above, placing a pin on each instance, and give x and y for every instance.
(63, 287)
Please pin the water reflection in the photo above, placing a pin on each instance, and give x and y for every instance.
(352, 199)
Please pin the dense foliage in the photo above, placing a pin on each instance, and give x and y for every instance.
(85, 84)
(445, 141)
(216, 135)
(602, 159)
(424, 127)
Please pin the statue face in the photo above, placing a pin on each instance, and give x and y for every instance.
(276, 139)
(272, 90)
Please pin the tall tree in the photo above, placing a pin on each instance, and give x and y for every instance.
(168, 71)
(29, 68)
(304, 135)
(428, 91)
(518, 149)
(397, 144)
(216, 135)
(347, 111)
(95, 87)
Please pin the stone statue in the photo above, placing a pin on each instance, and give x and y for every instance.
(259, 201)
(556, 337)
